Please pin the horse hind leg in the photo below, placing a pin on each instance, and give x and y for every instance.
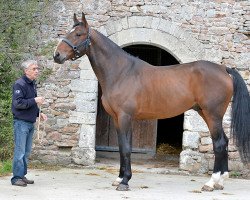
(224, 164)
(216, 182)
(220, 147)
(220, 184)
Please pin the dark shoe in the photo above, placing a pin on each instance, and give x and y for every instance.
(20, 182)
(27, 181)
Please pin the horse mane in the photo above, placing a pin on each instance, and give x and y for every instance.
(117, 48)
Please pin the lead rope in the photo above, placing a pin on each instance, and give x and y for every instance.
(38, 125)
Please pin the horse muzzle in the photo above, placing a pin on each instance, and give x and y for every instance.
(58, 58)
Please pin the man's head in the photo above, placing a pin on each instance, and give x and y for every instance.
(30, 69)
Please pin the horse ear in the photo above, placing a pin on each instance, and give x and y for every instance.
(75, 19)
(84, 19)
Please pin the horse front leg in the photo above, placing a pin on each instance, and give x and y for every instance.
(124, 133)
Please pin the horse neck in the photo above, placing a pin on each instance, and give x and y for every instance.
(104, 56)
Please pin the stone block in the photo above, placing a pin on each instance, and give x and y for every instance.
(65, 106)
(62, 122)
(206, 148)
(82, 118)
(69, 129)
(149, 9)
(232, 148)
(204, 134)
(85, 64)
(66, 143)
(235, 165)
(234, 155)
(193, 162)
(86, 96)
(87, 136)
(56, 91)
(155, 23)
(124, 22)
(206, 140)
(139, 22)
(190, 140)
(64, 158)
(165, 26)
(54, 136)
(86, 106)
(84, 85)
(49, 159)
(83, 156)
(113, 26)
(87, 74)
(102, 30)
(193, 122)
(211, 164)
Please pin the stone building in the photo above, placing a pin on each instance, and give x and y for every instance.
(162, 32)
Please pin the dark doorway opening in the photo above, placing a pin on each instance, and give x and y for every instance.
(169, 131)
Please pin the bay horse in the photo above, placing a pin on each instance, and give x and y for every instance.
(133, 89)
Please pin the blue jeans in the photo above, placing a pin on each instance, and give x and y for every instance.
(23, 136)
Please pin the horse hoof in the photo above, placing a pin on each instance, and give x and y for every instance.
(122, 187)
(207, 188)
(218, 186)
(115, 183)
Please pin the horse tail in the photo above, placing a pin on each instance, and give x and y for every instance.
(240, 115)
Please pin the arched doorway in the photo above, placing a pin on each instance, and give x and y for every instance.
(169, 131)
(148, 133)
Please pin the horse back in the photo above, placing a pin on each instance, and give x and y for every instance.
(150, 92)
(171, 90)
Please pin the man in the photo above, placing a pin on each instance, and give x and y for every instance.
(25, 103)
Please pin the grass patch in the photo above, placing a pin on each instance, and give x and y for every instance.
(235, 174)
(5, 167)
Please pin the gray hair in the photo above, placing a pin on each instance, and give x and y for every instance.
(27, 63)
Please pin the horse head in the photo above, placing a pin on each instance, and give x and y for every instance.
(75, 44)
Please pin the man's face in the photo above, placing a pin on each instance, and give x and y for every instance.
(32, 72)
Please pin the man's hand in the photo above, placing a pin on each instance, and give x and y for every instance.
(43, 117)
(39, 100)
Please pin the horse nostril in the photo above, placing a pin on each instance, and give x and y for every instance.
(58, 58)
(57, 54)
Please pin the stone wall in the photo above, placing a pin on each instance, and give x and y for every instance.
(190, 30)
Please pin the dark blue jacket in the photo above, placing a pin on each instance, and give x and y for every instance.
(24, 106)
